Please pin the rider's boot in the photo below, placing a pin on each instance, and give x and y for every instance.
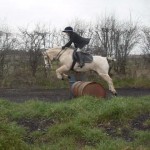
(81, 63)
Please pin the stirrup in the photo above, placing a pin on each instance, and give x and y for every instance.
(81, 65)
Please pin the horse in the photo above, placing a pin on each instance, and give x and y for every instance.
(65, 57)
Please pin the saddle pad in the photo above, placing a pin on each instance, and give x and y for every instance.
(87, 58)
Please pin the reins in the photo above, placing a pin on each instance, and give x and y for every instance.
(59, 54)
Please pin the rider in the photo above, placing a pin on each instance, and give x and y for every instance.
(79, 43)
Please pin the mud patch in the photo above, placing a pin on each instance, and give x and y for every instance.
(56, 95)
(116, 130)
(142, 122)
(35, 124)
(126, 132)
(22, 95)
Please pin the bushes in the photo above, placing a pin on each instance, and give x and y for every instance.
(21, 77)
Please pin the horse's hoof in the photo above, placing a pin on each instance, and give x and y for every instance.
(62, 79)
(115, 94)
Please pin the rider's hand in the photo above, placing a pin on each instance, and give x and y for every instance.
(63, 47)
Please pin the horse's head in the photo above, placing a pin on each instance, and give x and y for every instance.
(47, 60)
(52, 54)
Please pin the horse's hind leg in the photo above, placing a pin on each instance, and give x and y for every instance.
(107, 78)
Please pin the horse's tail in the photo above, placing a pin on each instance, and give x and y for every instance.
(111, 61)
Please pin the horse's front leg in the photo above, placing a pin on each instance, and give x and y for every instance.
(60, 72)
(65, 76)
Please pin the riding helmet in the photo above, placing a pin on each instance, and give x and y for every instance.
(68, 29)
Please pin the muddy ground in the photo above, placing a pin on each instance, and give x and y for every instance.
(55, 95)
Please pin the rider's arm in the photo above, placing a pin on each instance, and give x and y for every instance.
(68, 44)
(70, 41)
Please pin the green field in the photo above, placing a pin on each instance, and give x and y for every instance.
(84, 123)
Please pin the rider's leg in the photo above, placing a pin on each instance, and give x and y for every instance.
(79, 55)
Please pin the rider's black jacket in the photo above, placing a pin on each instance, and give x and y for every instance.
(79, 42)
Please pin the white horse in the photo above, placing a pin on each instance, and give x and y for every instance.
(99, 65)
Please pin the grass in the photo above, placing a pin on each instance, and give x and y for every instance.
(123, 81)
(142, 82)
(84, 123)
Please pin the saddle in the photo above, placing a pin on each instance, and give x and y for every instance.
(87, 58)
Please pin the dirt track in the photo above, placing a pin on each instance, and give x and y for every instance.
(55, 95)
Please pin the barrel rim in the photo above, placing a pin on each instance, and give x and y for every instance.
(73, 87)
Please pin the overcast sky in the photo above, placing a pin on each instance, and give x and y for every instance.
(58, 13)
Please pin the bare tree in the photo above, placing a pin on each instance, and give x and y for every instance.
(146, 44)
(126, 39)
(7, 43)
(33, 43)
(115, 39)
(105, 35)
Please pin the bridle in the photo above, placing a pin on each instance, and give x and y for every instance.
(56, 58)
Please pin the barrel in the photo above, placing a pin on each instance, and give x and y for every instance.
(81, 88)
